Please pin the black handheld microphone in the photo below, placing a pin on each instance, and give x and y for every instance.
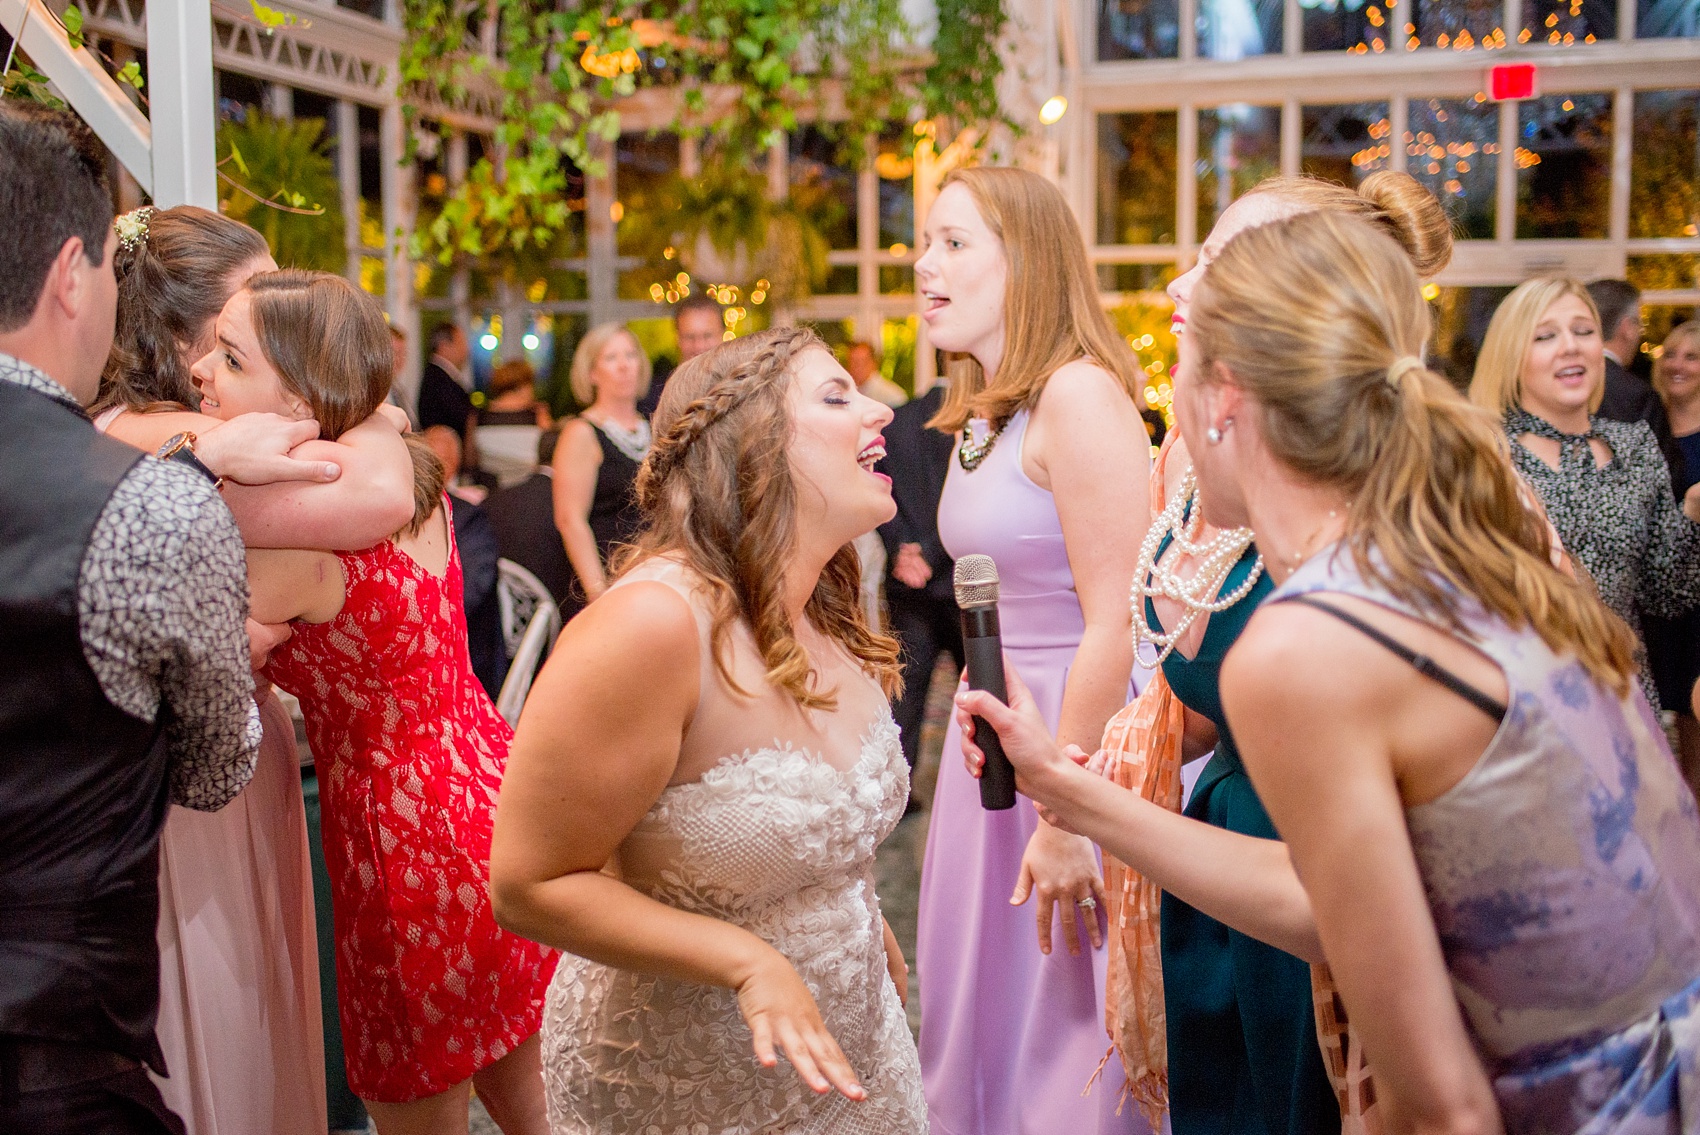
(982, 646)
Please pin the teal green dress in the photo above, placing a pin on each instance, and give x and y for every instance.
(1243, 1057)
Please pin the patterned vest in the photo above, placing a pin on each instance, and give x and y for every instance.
(82, 784)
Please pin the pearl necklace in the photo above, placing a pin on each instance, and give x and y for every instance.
(1215, 558)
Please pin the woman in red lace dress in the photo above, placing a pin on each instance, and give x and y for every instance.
(411, 752)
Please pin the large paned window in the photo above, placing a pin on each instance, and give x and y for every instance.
(824, 183)
(1454, 24)
(1238, 29)
(1665, 19)
(1137, 158)
(1664, 169)
(1568, 22)
(1238, 146)
(1139, 29)
(1333, 25)
(1564, 166)
(643, 179)
(1346, 142)
(894, 164)
(1452, 147)
(1246, 29)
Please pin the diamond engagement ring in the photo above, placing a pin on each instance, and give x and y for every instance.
(1087, 903)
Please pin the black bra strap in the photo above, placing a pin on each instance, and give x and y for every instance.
(1423, 664)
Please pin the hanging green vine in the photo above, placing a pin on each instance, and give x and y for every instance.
(744, 70)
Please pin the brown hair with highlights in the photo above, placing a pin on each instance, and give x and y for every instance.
(330, 346)
(172, 284)
(717, 493)
(1308, 315)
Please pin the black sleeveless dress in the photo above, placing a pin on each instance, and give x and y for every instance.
(614, 516)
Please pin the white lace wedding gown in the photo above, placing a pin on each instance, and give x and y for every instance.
(777, 837)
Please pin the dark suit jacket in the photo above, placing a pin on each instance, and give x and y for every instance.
(442, 402)
(475, 540)
(659, 374)
(524, 519)
(917, 459)
(1631, 398)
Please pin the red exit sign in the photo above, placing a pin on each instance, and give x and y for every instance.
(1512, 81)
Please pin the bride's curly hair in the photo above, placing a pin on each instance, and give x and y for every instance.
(717, 493)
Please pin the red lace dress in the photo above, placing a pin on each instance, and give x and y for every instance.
(410, 757)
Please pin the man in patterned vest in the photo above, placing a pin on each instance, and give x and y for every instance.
(124, 669)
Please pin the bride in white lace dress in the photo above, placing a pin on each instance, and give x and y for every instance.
(703, 772)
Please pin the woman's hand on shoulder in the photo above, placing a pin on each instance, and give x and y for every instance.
(369, 499)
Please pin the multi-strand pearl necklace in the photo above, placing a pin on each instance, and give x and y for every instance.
(1215, 558)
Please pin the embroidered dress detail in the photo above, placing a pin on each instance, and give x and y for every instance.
(779, 842)
(776, 837)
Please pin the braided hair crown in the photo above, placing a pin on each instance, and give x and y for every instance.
(704, 390)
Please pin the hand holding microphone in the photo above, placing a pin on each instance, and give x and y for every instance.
(976, 583)
(997, 716)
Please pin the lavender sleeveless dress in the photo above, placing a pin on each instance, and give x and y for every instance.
(1563, 873)
(1009, 1038)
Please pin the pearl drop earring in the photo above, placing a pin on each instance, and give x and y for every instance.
(1213, 436)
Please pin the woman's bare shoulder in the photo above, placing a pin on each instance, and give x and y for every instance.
(1083, 382)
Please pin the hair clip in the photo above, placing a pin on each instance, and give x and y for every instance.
(132, 227)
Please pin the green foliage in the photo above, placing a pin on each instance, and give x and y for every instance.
(962, 83)
(271, 19)
(560, 71)
(1144, 321)
(725, 230)
(25, 82)
(279, 176)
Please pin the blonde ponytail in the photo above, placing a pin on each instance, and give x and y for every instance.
(1314, 317)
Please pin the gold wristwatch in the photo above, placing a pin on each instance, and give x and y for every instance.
(181, 449)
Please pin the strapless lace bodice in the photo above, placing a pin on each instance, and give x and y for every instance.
(780, 842)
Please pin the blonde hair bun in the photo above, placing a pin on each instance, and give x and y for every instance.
(1414, 218)
(1395, 203)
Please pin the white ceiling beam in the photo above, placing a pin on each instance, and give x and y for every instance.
(181, 97)
(83, 82)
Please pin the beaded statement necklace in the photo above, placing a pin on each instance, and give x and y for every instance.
(1183, 521)
(977, 441)
(634, 443)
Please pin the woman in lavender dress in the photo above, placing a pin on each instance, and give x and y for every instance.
(1050, 481)
(1501, 858)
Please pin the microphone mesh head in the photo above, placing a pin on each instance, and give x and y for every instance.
(976, 581)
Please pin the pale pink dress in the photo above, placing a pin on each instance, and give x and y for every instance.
(239, 1018)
